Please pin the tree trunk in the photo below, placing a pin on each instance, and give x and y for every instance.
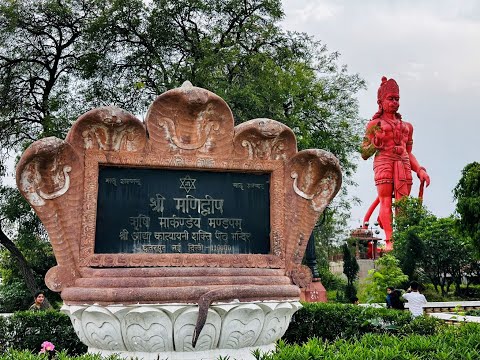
(25, 269)
(442, 286)
(458, 284)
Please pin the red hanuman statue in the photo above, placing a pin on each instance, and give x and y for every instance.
(391, 140)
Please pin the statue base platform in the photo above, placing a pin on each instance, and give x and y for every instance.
(315, 292)
(165, 331)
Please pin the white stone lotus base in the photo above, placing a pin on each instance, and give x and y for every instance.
(153, 331)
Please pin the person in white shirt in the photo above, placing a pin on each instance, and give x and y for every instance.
(416, 301)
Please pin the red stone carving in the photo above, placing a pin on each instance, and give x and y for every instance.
(188, 128)
(107, 129)
(186, 120)
(301, 275)
(390, 139)
(314, 177)
(264, 139)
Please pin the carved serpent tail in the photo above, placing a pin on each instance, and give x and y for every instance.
(238, 292)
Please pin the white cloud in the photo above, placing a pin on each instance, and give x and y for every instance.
(315, 11)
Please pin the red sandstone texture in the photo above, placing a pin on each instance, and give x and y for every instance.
(185, 128)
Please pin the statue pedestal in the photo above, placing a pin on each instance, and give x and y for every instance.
(165, 331)
(315, 292)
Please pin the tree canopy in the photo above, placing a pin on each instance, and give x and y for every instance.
(59, 59)
(447, 252)
(467, 194)
(409, 247)
(41, 51)
(386, 273)
(431, 247)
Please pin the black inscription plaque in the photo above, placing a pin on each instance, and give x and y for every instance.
(166, 211)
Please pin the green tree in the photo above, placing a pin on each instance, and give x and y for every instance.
(387, 273)
(350, 269)
(408, 247)
(410, 212)
(447, 253)
(40, 54)
(61, 58)
(429, 246)
(467, 194)
(20, 278)
(238, 50)
(409, 251)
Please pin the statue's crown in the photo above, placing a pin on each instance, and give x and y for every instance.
(387, 87)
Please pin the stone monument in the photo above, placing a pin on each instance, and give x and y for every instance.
(181, 237)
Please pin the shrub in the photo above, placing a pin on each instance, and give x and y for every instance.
(471, 292)
(27, 330)
(332, 321)
(432, 295)
(14, 297)
(27, 355)
(450, 342)
(3, 328)
(473, 312)
(387, 272)
(331, 281)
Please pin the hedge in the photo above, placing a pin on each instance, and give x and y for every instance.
(27, 330)
(27, 355)
(333, 321)
(453, 342)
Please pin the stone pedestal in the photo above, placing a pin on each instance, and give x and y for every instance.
(164, 331)
(315, 292)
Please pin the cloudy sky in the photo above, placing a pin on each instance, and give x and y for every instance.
(432, 49)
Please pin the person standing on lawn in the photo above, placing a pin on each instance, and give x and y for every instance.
(416, 301)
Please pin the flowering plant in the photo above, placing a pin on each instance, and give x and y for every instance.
(47, 348)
